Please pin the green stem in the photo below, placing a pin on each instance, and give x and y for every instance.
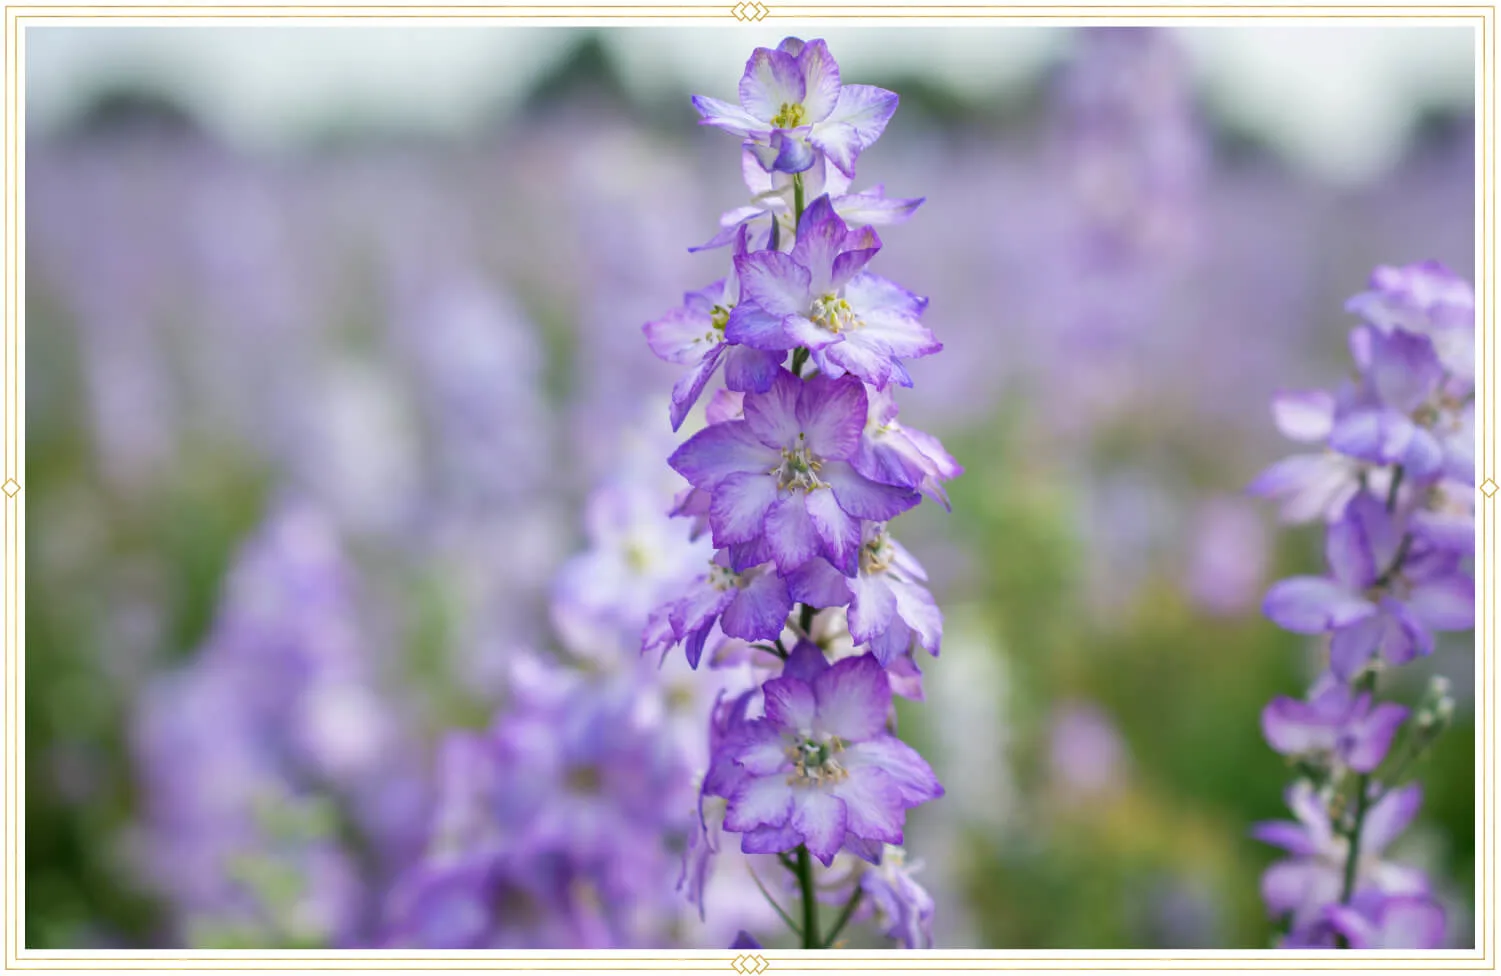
(844, 916)
(797, 200)
(805, 619)
(1391, 495)
(799, 357)
(810, 902)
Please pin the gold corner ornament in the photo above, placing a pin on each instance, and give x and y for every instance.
(12, 488)
(1488, 488)
(749, 13)
(749, 964)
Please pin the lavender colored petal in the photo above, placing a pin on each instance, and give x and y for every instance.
(790, 704)
(820, 80)
(749, 370)
(832, 413)
(873, 803)
(821, 820)
(1447, 603)
(730, 118)
(716, 452)
(872, 607)
(759, 610)
(739, 508)
(1389, 817)
(854, 698)
(866, 499)
(772, 79)
(838, 532)
(1305, 416)
(791, 533)
(1314, 605)
(760, 801)
(751, 326)
(819, 585)
(775, 282)
(686, 391)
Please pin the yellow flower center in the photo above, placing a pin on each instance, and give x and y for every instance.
(833, 314)
(790, 116)
(799, 468)
(813, 762)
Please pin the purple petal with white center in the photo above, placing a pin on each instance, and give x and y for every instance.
(820, 80)
(716, 452)
(854, 698)
(737, 513)
(1291, 728)
(1447, 603)
(775, 282)
(863, 498)
(916, 606)
(872, 606)
(761, 801)
(819, 585)
(791, 535)
(1386, 820)
(680, 336)
(873, 804)
(872, 207)
(858, 119)
(1309, 486)
(1314, 605)
(688, 388)
(832, 414)
(790, 704)
(892, 644)
(1306, 416)
(838, 531)
(759, 610)
(773, 415)
(772, 79)
(749, 370)
(899, 761)
(803, 331)
(751, 326)
(770, 840)
(730, 118)
(821, 819)
(820, 238)
(758, 747)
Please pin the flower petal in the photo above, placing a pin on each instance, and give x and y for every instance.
(773, 415)
(790, 704)
(820, 80)
(1314, 605)
(858, 119)
(775, 282)
(1446, 603)
(1306, 416)
(820, 817)
(751, 326)
(863, 498)
(730, 118)
(720, 450)
(760, 801)
(838, 531)
(791, 535)
(854, 698)
(1389, 817)
(899, 761)
(751, 370)
(738, 510)
(872, 605)
(819, 585)
(873, 804)
(772, 79)
(832, 413)
(759, 609)
(688, 388)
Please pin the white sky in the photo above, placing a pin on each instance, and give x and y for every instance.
(1339, 100)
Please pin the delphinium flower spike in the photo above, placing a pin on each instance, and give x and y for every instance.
(795, 478)
(1394, 483)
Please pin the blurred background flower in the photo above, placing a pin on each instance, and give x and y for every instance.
(333, 334)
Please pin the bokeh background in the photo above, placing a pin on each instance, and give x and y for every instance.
(376, 294)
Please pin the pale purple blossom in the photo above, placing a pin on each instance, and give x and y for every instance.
(1334, 722)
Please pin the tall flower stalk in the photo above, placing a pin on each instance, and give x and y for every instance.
(801, 466)
(1394, 481)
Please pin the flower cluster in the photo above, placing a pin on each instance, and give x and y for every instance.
(1394, 483)
(801, 466)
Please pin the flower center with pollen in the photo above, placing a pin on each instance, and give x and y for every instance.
(813, 761)
(721, 578)
(790, 116)
(833, 314)
(876, 556)
(799, 468)
(719, 317)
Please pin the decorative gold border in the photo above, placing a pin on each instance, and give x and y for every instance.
(1481, 17)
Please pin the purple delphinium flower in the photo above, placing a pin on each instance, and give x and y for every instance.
(794, 108)
(1385, 595)
(1335, 722)
(902, 455)
(889, 608)
(781, 482)
(773, 200)
(751, 605)
(1424, 299)
(694, 335)
(1309, 486)
(1312, 878)
(904, 906)
(818, 297)
(820, 768)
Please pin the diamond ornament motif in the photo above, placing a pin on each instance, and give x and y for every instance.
(749, 12)
(12, 488)
(749, 963)
(1489, 488)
